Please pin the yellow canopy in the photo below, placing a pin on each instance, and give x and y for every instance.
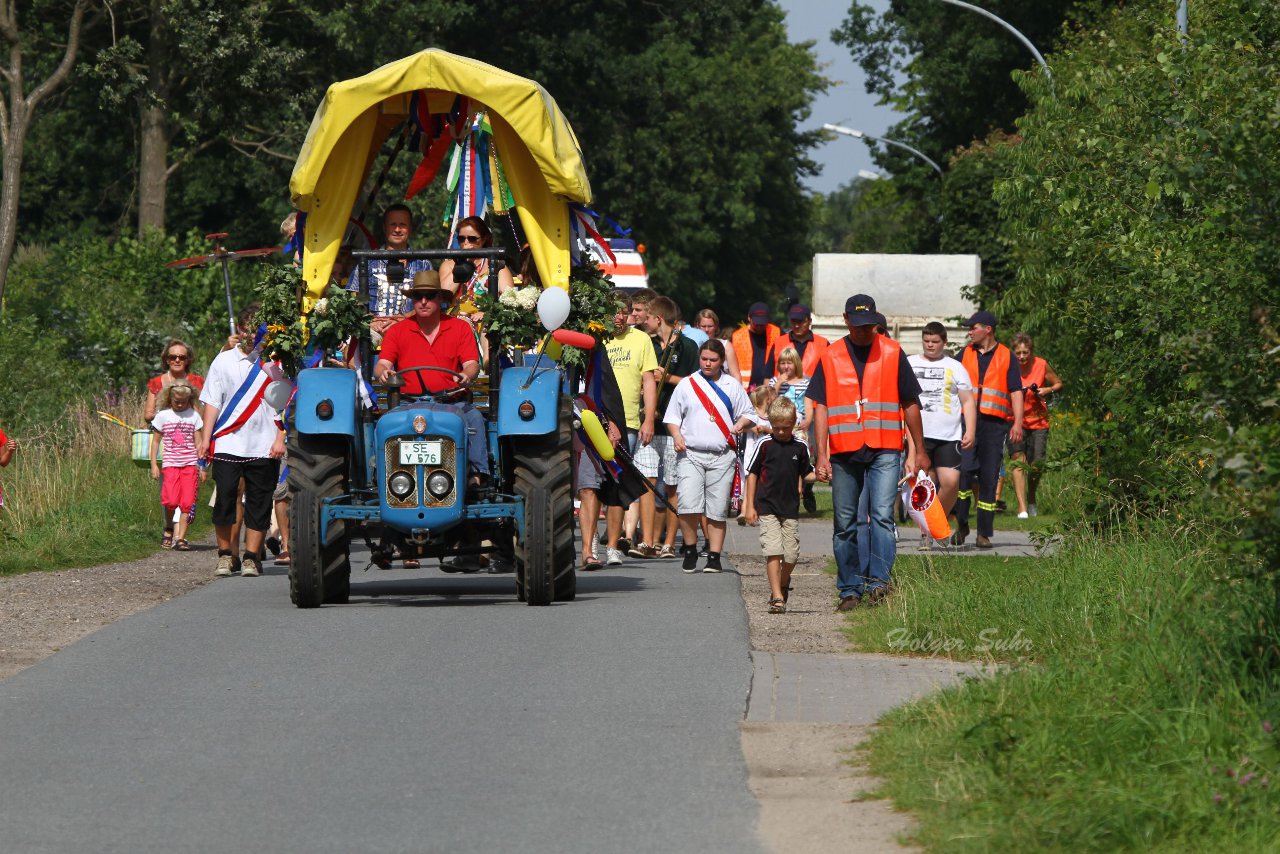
(540, 153)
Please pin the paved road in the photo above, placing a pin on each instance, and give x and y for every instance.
(437, 714)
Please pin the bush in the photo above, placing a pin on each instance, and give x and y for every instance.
(108, 305)
(1140, 210)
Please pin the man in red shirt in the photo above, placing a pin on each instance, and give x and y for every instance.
(431, 338)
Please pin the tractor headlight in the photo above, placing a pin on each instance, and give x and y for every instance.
(401, 485)
(439, 484)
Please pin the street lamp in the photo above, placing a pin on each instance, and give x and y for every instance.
(1011, 28)
(860, 135)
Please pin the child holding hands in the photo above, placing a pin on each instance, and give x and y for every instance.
(177, 422)
(773, 498)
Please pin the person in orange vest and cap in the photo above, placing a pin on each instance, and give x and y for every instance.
(754, 345)
(864, 395)
(810, 346)
(995, 376)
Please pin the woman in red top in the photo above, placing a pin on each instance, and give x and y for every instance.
(1038, 381)
(176, 358)
(7, 447)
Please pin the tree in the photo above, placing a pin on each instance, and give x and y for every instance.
(199, 74)
(971, 222)
(950, 71)
(687, 114)
(1141, 207)
(19, 105)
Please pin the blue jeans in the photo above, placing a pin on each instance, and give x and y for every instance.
(879, 481)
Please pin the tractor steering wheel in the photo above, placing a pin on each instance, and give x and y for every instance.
(445, 395)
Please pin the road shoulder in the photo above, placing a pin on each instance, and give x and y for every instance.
(813, 701)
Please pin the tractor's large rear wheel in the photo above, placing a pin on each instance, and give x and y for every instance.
(320, 564)
(544, 478)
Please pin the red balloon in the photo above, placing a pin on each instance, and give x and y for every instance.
(569, 338)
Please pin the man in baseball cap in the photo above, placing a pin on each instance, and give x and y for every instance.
(996, 379)
(753, 344)
(864, 396)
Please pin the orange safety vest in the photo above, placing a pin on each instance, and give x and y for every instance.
(1035, 415)
(812, 354)
(993, 394)
(741, 342)
(868, 413)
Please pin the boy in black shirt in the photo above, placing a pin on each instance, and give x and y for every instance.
(773, 498)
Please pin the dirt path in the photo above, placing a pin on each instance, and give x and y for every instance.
(42, 612)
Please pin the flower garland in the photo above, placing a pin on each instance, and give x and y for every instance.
(513, 315)
(291, 339)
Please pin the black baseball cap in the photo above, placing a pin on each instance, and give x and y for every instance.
(986, 318)
(799, 311)
(860, 310)
(758, 313)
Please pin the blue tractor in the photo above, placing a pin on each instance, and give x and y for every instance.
(395, 476)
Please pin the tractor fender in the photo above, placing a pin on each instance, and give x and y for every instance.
(337, 387)
(543, 393)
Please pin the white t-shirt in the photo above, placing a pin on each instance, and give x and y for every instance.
(255, 437)
(178, 430)
(685, 409)
(941, 382)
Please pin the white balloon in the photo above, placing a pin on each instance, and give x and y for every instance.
(277, 394)
(553, 308)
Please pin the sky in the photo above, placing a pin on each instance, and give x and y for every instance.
(846, 102)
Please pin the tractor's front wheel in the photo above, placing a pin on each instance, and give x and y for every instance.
(544, 478)
(320, 563)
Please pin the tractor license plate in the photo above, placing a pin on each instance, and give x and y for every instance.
(420, 453)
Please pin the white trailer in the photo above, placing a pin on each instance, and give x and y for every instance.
(909, 290)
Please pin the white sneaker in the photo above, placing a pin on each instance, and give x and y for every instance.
(612, 557)
(1024, 515)
(1032, 510)
(226, 566)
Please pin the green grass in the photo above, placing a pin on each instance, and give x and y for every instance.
(116, 517)
(74, 498)
(1133, 700)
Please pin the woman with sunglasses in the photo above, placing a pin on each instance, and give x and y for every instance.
(473, 233)
(176, 359)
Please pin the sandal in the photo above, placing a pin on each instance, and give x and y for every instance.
(591, 563)
(166, 542)
(777, 606)
(412, 563)
(181, 546)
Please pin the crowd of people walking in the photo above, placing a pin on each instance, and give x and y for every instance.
(719, 421)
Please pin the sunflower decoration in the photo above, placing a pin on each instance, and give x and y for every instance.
(293, 340)
(285, 337)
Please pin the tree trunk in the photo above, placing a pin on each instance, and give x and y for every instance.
(153, 170)
(15, 137)
(15, 118)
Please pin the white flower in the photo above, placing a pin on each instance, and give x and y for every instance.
(509, 298)
(528, 297)
(322, 305)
